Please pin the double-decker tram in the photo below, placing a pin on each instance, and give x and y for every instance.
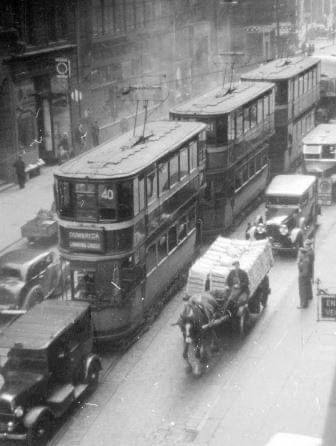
(297, 93)
(127, 213)
(327, 105)
(240, 123)
(319, 150)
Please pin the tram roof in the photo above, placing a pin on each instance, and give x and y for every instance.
(290, 185)
(221, 100)
(322, 134)
(281, 69)
(127, 155)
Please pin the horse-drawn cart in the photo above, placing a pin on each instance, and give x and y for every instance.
(209, 301)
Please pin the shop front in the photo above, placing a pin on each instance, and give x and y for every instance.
(42, 101)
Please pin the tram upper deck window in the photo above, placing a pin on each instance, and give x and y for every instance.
(193, 155)
(281, 96)
(64, 199)
(222, 130)
(163, 177)
(107, 202)
(273, 200)
(151, 186)
(246, 119)
(125, 200)
(253, 115)
(184, 163)
(211, 131)
(174, 170)
(239, 123)
(85, 201)
(328, 152)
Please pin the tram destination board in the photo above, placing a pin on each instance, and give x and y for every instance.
(327, 306)
(86, 240)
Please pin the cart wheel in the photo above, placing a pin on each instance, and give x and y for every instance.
(243, 322)
(39, 433)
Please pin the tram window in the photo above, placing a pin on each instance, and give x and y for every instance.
(201, 151)
(231, 126)
(264, 159)
(173, 170)
(162, 247)
(125, 200)
(85, 200)
(296, 86)
(301, 84)
(238, 179)
(193, 155)
(253, 115)
(139, 231)
(182, 229)
(163, 177)
(107, 202)
(222, 130)
(266, 106)
(136, 196)
(211, 131)
(124, 239)
(172, 238)
(282, 93)
(245, 173)
(151, 187)
(191, 219)
(306, 82)
(246, 119)
(141, 193)
(184, 163)
(239, 123)
(84, 284)
(64, 190)
(260, 111)
(151, 258)
(251, 166)
(328, 152)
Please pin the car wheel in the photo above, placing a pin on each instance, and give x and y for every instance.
(40, 432)
(34, 296)
(92, 377)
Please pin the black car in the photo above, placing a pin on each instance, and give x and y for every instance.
(49, 365)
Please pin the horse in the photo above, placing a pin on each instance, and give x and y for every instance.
(198, 311)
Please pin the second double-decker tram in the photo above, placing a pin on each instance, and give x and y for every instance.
(297, 93)
(127, 215)
(319, 150)
(240, 123)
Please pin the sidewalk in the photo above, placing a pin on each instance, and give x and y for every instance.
(17, 206)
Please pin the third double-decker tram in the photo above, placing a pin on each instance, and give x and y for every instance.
(127, 214)
(240, 123)
(297, 93)
(319, 150)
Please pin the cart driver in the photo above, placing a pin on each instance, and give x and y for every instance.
(238, 283)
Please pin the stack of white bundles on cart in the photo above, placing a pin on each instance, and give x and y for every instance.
(210, 271)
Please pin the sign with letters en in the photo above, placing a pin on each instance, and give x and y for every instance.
(86, 240)
(327, 306)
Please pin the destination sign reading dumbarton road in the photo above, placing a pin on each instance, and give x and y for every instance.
(86, 240)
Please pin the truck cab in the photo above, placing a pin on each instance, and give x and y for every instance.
(291, 210)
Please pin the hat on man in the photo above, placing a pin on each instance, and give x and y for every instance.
(235, 262)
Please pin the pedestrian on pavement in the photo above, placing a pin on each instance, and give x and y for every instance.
(20, 170)
(309, 246)
(305, 284)
(95, 133)
(63, 149)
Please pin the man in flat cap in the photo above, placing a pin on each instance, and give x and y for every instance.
(238, 283)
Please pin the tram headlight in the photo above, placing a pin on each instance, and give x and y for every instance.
(283, 230)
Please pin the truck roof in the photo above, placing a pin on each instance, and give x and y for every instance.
(290, 185)
(322, 134)
(36, 329)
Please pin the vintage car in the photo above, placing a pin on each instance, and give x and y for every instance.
(49, 365)
(291, 210)
(27, 276)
